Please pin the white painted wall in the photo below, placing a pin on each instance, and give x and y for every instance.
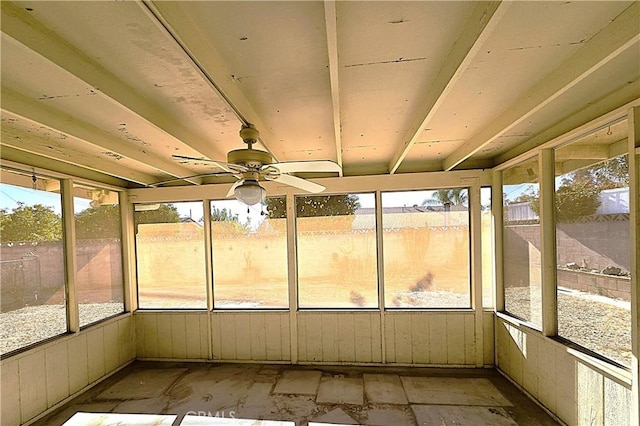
(50, 374)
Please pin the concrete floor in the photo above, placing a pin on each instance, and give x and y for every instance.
(310, 394)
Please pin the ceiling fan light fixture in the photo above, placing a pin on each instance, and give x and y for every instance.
(250, 192)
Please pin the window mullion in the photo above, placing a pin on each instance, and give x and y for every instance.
(69, 239)
(548, 234)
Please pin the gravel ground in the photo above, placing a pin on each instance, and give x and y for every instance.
(598, 323)
(33, 324)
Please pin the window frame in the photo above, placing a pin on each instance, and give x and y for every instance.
(65, 187)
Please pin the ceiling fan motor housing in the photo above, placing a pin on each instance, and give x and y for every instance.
(249, 157)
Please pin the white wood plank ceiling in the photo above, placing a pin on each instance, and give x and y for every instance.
(112, 90)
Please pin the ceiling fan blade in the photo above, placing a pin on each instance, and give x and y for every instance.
(227, 167)
(233, 188)
(297, 182)
(306, 166)
(156, 184)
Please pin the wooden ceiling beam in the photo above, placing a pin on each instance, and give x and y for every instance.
(211, 67)
(481, 23)
(620, 35)
(21, 25)
(37, 112)
(25, 160)
(331, 24)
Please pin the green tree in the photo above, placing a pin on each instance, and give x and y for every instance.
(166, 213)
(451, 197)
(223, 215)
(315, 205)
(98, 223)
(579, 192)
(30, 223)
(229, 220)
(572, 201)
(610, 174)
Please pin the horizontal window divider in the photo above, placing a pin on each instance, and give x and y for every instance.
(609, 368)
(339, 310)
(249, 311)
(169, 310)
(102, 320)
(431, 310)
(517, 321)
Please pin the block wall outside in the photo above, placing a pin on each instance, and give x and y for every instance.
(33, 273)
(571, 388)
(38, 379)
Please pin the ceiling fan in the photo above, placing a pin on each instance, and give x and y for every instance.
(248, 165)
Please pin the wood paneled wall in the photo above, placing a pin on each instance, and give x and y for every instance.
(349, 337)
(564, 381)
(45, 376)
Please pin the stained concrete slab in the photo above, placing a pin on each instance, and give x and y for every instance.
(384, 389)
(389, 416)
(258, 403)
(142, 406)
(247, 392)
(453, 391)
(211, 390)
(462, 415)
(298, 382)
(337, 416)
(340, 391)
(142, 384)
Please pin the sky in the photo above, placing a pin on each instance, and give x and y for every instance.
(10, 196)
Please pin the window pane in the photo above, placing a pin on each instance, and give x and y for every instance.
(249, 254)
(521, 243)
(487, 248)
(170, 256)
(32, 261)
(99, 283)
(336, 242)
(426, 249)
(592, 242)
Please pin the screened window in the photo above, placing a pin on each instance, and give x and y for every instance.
(521, 242)
(32, 263)
(426, 248)
(249, 254)
(593, 256)
(99, 281)
(336, 243)
(170, 256)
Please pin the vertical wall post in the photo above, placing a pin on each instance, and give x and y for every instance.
(498, 219)
(476, 267)
(380, 258)
(634, 221)
(208, 261)
(475, 205)
(548, 245)
(69, 239)
(292, 264)
(128, 253)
